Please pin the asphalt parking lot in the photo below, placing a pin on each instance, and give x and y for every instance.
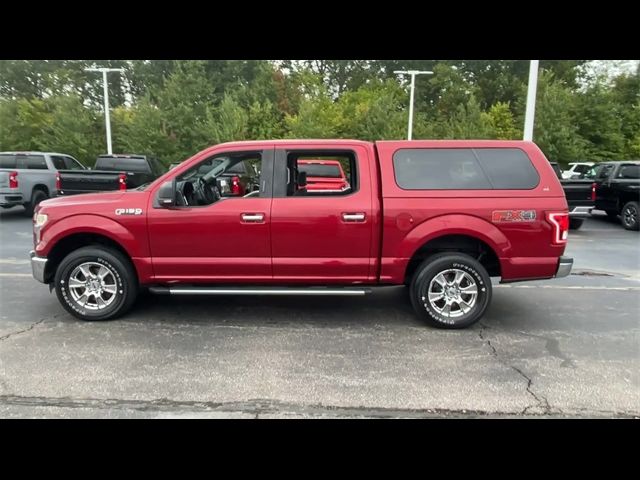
(563, 348)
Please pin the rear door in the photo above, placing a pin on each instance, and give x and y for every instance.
(323, 236)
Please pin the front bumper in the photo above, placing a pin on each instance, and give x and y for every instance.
(564, 267)
(38, 265)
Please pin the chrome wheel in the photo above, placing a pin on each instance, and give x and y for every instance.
(93, 286)
(452, 293)
(630, 215)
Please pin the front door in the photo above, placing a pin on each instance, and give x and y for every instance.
(209, 237)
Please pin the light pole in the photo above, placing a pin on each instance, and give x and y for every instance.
(107, 118)
(413, 74)
(530, 111)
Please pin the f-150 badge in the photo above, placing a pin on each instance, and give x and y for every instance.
(128, 211)
(513, 216)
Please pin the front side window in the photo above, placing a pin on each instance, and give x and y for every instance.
(216, 179)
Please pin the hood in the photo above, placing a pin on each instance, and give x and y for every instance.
(86, 199)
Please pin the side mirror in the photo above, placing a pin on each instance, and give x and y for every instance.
(167, 194)
(302, 179)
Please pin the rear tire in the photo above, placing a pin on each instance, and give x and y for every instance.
(629, 216)
(36, 197)
(575, 223)
(450, 290)
(96, 283)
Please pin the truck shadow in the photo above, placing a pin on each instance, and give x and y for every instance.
(383, 308)
(390, 306)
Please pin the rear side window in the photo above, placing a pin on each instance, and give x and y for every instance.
(31, 162)
(629, 171)
(58, 162)
(464, 169)
(72, 164)
(604, 171)
(7, 161)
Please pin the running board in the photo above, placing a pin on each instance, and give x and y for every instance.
(180, 290)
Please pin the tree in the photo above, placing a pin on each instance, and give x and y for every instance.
(373, 112)
(555, 129)
(502, 122)
(467, 122)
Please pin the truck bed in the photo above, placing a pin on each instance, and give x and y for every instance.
(88, 181)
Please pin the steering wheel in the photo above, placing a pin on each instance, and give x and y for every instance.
(207, 194)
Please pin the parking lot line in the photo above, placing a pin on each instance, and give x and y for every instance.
(15, 274)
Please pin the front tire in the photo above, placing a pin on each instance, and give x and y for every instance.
(96, 283)
(450, 290)
(629, 216)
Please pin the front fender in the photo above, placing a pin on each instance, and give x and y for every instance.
(91, 223)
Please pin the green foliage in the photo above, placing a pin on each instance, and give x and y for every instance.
(555, 128)
(173, 108)
(501, 122)
(373, 112)
(467, 122)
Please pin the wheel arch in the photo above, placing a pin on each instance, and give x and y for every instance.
(455, 233)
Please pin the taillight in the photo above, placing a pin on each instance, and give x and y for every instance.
(58, 182)
(122, 179)
(560, 222)
(236, 188)
(593, 192)
(13, 180)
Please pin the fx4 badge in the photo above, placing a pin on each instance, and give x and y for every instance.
(128, 211)
(513, 216)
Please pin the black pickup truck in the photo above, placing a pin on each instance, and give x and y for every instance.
(111, 172)
(618, 190)
(580, 194)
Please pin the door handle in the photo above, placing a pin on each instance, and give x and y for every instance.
(253, 217)
(353, 217)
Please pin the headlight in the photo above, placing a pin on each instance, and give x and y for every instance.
(39, 219)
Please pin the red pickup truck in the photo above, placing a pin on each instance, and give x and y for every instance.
(326, 175)
(440, 217)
